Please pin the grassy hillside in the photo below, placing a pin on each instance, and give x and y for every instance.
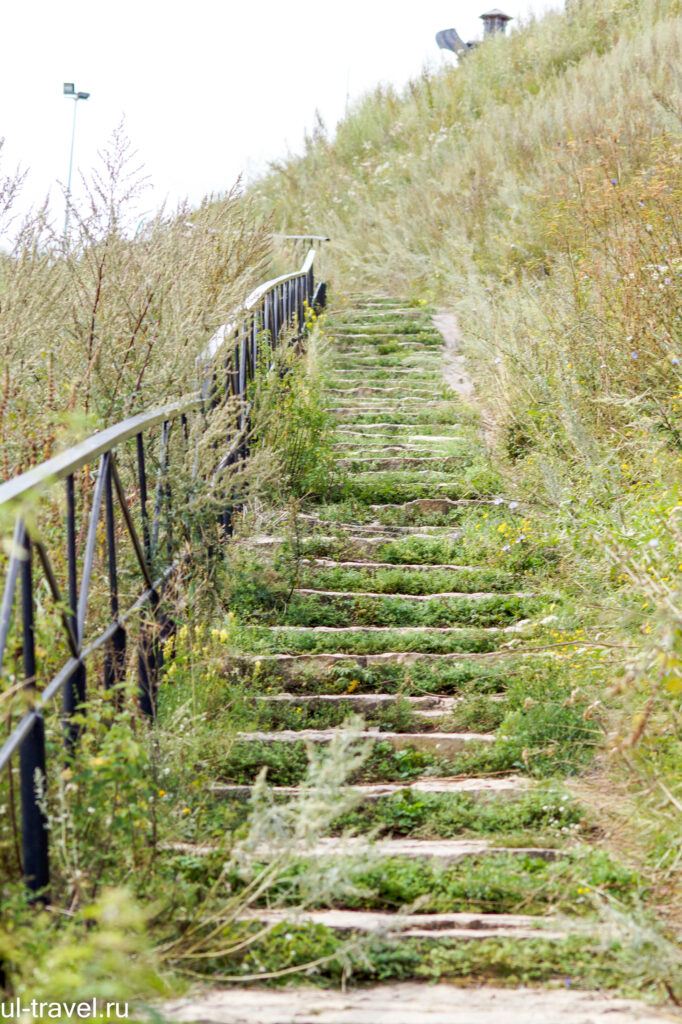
(533, 191)
(108, 325)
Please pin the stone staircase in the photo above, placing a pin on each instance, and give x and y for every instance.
(421, 604)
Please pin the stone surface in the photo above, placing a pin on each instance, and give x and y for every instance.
(509, 788)
(462, 926)
(411, 1003)
(442, 744)
(400, 567)
(442, 595)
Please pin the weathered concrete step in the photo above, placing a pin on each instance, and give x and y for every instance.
(378, 428)
(364, 541)
(374, 449)
(411, 439)
(348, 412)
(401, 462)
(373, 342)
(441, 744)
(517, 627)
(437, 504)
(410, 1003)
(446, 851)
(420, 504)
(457, 925)
(327, 660)
(370, 390)
(263, 541)
(331, 563)
(431, 708)
(351, 374)
(400, 426)
(365, 701)
(509, 788)
(351, 452)
(447, 595)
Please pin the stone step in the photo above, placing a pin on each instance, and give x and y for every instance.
(373, 451)
(365, 542)
(392, 532)
(331, 563)
(437, 504)
(349, 372)
(441, 505)
(411, 439)
(375, 409)
(517, 627)
(381, 427)
(431, 708)
(455, 925)
(426, 360)
(366, 701)
(368, 390)
(507, 788)
(399, 462)
(447, 595)
(329, 659)
(440, 744)
(446, 851)
(354, 342)
(413, 1002)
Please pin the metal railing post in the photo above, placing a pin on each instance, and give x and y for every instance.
(115, 656)
(73, 694)
(32, 773)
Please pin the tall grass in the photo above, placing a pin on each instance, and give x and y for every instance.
(102, 326)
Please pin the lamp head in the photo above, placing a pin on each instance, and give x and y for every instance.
(69, 88)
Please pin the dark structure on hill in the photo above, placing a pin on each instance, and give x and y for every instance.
(493, 21)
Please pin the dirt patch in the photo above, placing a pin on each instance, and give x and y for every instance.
(455, 371)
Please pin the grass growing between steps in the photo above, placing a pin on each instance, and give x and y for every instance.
(489, 883)
(404, 580)
(544, 817)
(320, 610)
(633, 969)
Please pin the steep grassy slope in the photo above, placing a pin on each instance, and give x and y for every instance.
(533, 191)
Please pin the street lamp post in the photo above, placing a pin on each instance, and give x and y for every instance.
(70, 90)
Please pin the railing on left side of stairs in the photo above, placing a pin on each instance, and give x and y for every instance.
(123, 503)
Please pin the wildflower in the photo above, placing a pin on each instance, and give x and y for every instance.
(635, 355)
(186, 810)
(675, 362)
(513, 505)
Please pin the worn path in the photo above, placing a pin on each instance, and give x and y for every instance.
(429, 601)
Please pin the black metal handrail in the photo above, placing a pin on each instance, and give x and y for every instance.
(255, 328)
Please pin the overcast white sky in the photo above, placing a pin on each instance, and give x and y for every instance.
(207, 89)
